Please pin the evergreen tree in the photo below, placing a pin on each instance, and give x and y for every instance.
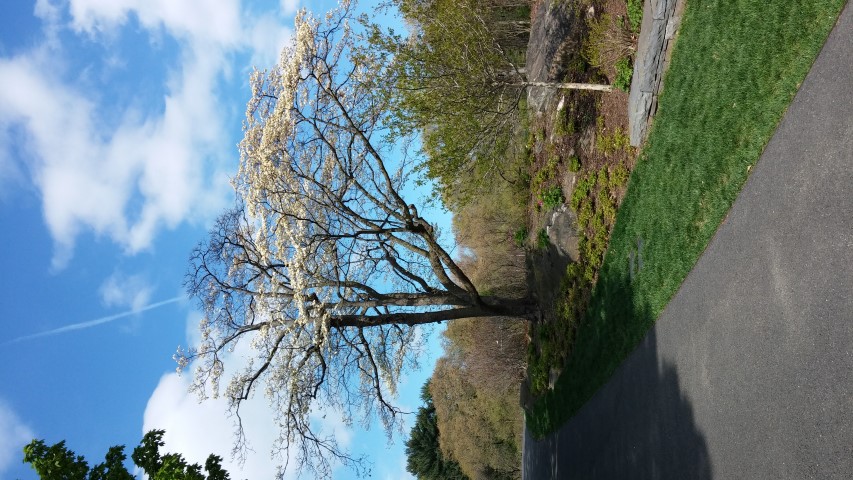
(424, 457)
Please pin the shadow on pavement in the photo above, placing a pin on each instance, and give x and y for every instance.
(639, 425)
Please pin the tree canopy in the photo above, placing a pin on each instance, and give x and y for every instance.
(459, 79)
(322, 267)
(57, 462)
(455, 83)
(479, 428)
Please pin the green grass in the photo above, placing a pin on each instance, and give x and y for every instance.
(735, 68)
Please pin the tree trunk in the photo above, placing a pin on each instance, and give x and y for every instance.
(493, 307)
(570, 86)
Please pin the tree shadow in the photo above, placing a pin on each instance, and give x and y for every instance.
(546, 268)
(640, 424)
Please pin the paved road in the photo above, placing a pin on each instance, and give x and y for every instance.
(748, 373)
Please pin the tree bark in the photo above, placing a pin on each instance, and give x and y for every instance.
(569, 86)
(493, 307)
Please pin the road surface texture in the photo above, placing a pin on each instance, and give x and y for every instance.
(748, 372)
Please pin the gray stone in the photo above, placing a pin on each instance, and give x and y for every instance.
(549, 32)
(672, 27)
(657, 30)
(562, 232)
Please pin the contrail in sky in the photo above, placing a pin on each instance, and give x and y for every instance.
(96, 322)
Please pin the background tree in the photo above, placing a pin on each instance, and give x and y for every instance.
(424, 458)
(492, 353)
(323, 270)
(484, 227)
(57, 462)
(480, 428)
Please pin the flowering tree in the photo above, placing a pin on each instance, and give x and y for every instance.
(323, 267)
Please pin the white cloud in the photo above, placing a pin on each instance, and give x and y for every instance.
(58, 127)
(172, 152)
(197, 429)
(216, 21)
(87, 174)
(288, 7)
(266, 37)
(49, 13)
(126, 291)
(130, 179)
(14, 434)
(205, 428)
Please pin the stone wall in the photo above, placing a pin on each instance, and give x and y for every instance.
(661, 19)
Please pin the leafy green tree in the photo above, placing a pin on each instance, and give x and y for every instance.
(57, 462)
(424, 457)
(460, 80)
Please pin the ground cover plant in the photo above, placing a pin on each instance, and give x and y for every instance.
(581, 150)
(599, 174)
(735, 68)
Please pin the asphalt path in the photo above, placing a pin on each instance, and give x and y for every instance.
(748, 373)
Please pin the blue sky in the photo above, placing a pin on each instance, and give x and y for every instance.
(118, 126)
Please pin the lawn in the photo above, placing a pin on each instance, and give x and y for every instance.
(736, 66)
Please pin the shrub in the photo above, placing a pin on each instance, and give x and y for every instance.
(563, 125)
(574, 164)
(542, 239)
(635, 14)
(546, 173)
(618, 177)
(577, 66)
(552, 197)
(520, 236)
(475, 389)
(608, 208)
(624, 71)
(478, 428)
(537, 372)
(584, 216)
(486, 229)
(613, 142)
(582, 189)
(609, 40)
